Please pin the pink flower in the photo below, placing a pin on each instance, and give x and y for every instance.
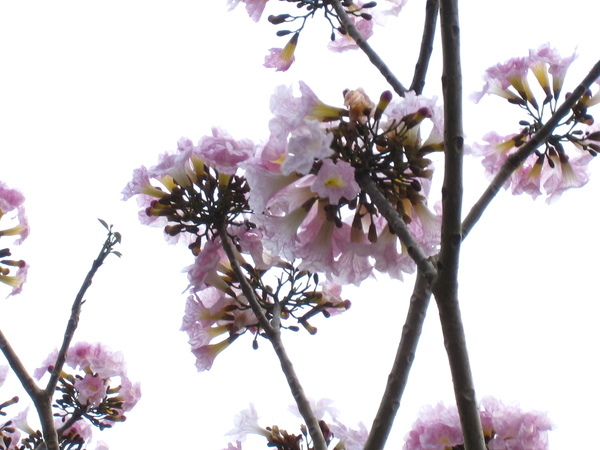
(504, 428)
(281, 59)
(353, 439)
(254, 8)
(205, 271)
(18, 279)
(223, 152)
(546, 60)
(307, 144)
(91, 390)
(335, 181)
(96, 358)
(246, 422)
(206, 354)
(129, 394)
(10, 199)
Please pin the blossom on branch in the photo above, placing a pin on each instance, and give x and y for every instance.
(504, 427)
(12, 210)
(553, 168)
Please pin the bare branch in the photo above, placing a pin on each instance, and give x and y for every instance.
(405, 355)
(445, 288)
(431, 14)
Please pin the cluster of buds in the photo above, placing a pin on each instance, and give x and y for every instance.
(11, 210)
(195, 194)
(99, 392)
(553, 168)
(360, 13)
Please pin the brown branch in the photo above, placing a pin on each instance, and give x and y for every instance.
(405, 355)
(366, 48)
(515, 160)
(274, 336)
(397, 225)
(445, 288)
(431, 14)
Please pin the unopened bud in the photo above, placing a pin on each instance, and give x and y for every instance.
(276, 20)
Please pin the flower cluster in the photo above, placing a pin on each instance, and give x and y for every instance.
(100, 392)
(336, 434)
(361, 14)
(292, 208)
(554, 167)
(11, 210)
(504, 427)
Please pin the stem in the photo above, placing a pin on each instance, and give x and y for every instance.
(397, 225)
(431, 14)
(405, 355)
(75, 312)
(366, 48)
(274, 336)
(445, 288)
(515, 160)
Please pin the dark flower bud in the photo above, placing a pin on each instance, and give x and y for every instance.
(276, 20)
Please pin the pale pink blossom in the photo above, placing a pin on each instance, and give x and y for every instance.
(223, 152)
(254, 8)
(91, 390)
(335, 181)
(129, 393)
(206, 354)
(352, 438)
(10, 199)
(96, 358)
(307, 144)
(205, 271)
(245, 423)
(281, 59)
(505, 427)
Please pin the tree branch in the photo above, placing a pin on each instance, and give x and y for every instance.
(397, 225)
(274, 335)
(445, 288)
(515, 160)
(366, 48)
(405, 355)
(431, 14)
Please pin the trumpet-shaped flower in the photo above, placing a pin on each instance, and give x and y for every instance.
(335, 181)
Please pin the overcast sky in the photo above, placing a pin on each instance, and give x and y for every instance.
(91, 90)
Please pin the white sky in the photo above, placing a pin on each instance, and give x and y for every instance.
(89, 91)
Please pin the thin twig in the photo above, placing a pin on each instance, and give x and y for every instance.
(107, 249)
(274, 336)
(42, 398)
(366, 48)
(405, 355)
(515, 160)
(431, 15)
(445, 288)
